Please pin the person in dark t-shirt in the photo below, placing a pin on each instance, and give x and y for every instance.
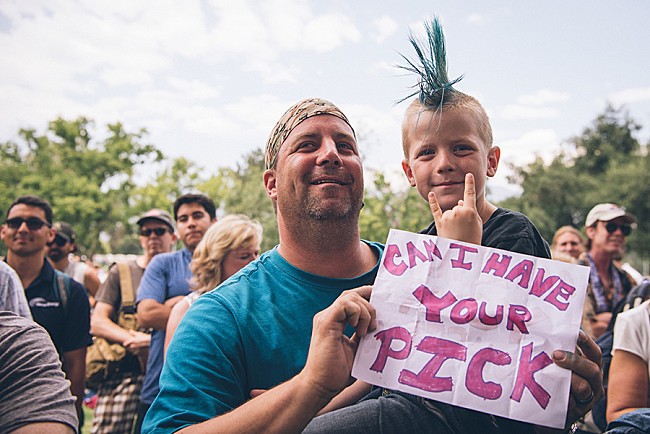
(26, 232)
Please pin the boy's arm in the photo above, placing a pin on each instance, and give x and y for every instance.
(462, 222)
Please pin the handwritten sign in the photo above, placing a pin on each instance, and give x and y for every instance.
(474, 327)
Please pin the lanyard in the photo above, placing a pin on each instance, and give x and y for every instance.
(597, 287)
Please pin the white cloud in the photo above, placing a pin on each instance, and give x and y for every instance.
(627, 96)
(543, 97)
(517, 111)
(523, 149)
(384, 27)
(477, 19)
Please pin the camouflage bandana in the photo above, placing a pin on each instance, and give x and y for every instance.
(290, 120)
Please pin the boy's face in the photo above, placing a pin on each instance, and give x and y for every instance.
(441, 152)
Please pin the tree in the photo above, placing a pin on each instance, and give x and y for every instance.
(87, 182)
(385, 208)
(241, 191)
(606, 163)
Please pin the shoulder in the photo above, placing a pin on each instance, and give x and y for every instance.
(513, 231)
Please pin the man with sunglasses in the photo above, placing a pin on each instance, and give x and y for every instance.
(26, 232)
(165, 283)
(118, 397)
(606, 226)
(59, 250)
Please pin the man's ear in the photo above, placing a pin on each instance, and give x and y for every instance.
(590, 231)
(51, 234)
(270, 184)
(494, 154)
(408, 172)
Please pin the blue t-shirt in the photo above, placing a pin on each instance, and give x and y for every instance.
(252, 332)
(166, 276)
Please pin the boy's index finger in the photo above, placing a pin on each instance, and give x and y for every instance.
(435, 207)
(470, 191)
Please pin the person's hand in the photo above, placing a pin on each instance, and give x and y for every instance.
(586, 379)
(331, 353)
(462, 222)
(137, 341)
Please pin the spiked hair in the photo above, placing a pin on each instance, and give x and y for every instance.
(436, 91)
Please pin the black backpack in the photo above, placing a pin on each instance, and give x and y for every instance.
(635, 297)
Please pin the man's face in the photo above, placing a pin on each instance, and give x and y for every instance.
(318, 173)
(192, 222)
(22, 241)
(59, 248)
(440, 151)
(603, 241)
(237, 259)
(156, 237)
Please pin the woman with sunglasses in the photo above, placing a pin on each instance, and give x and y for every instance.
(229, 245)
(606, 225)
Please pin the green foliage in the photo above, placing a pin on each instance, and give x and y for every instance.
(606, 163)
(88, 183)
(241, 191)
(386, 208)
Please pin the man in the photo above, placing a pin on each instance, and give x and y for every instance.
(254, 332)
(606, 225)
(165, 282)
(34, 394)
(12, 294)
(59, 251)
(118, 397)
(26, 232)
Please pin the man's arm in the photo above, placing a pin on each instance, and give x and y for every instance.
(154, 314)
(91, 280)
(44, 427)
(290, 406)
(74, 366)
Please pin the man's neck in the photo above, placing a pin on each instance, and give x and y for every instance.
(61, 264)
(326, 249)
(602, 260)
(27, 267)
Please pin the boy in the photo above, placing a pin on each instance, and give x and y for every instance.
(447, 142)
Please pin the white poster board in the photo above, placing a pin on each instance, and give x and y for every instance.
(474, 327)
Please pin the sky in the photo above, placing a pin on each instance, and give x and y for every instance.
(208, 79)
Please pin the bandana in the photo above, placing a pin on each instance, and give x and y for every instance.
(291, 118)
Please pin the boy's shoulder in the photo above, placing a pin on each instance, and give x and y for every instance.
(511, 230)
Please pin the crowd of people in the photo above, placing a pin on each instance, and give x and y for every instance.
(216, 337)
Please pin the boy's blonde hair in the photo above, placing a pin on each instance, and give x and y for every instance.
(456, 101)
(229, 233)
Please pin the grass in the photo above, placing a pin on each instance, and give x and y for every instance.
(88, 420)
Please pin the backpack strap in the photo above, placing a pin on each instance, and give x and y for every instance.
(62, 282)
(126, 288)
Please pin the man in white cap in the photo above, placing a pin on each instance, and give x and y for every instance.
(606, 226)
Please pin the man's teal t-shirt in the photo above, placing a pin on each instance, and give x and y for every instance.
(252, 332)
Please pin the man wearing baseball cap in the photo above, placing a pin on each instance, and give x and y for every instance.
(607, 225)
(118, 397)
(59, 250)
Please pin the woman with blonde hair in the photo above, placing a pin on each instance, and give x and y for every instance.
(567, 241)
(228, 246)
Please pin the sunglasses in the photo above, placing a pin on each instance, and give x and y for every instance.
(59, 241)
(158, 231)
(33, 223)
(611, 228)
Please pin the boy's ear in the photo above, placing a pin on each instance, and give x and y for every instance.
(408, 172)
(494, 154)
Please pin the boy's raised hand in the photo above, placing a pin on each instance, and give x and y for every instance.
(462, 222)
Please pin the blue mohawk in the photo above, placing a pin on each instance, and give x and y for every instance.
(433, 80)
